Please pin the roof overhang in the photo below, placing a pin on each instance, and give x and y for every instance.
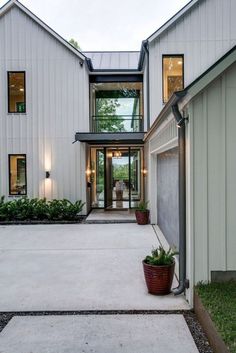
(110, 137)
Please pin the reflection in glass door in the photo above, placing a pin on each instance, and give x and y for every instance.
(116, 178)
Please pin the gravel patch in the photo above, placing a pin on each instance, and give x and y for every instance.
(190, 318)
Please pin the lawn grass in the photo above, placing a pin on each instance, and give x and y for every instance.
(220, 301)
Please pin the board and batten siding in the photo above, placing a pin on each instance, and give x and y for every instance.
(57, 94)
(212, 115)
(203, 35)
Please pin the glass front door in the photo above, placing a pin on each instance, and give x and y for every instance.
(116, 177)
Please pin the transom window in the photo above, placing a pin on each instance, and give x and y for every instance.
(16, 92)
(17, 174)
(173, 75)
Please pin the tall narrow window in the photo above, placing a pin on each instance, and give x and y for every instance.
(16, 92)
(17, 174)
(173, 75)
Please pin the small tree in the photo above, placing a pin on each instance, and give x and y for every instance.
(107, 119)
(75, 44)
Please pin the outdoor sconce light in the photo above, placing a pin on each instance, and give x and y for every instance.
(47, 176)
(144, 171)
(180, 120)
(88, 172)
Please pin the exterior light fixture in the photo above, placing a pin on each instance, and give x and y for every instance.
(144, 171)
(117, 154)
(88, 172)
(47, 174)
(180, 120)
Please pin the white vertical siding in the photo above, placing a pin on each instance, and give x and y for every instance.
(214, 175)
(203, 35)
(57, 95)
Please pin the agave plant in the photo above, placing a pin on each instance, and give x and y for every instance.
(161, 257)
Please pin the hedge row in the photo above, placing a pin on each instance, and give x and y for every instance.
(24, 209)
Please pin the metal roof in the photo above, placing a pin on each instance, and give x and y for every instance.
(113, 60)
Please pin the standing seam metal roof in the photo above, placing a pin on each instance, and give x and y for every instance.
(114, 60)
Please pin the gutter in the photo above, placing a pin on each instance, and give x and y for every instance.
(146, 49)
(183, 283)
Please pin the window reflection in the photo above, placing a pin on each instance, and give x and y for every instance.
(172, 75)
(116, 107)
(17, 174)
(16, 91)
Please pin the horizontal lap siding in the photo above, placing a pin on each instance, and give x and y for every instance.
(56, 104)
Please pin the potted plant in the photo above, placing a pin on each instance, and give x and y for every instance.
(142, 213)
(159, 270)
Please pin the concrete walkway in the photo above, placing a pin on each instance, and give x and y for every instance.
(84, 267)
(77, 267)
(97, 334)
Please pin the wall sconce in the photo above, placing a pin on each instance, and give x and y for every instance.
(144, 171)
(47, 176)
(88, 172)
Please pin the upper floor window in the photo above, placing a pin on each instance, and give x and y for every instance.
(16, 92)
(173, 75)
(17, 174)
(117, 107)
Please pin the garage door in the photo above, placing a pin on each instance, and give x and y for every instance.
(167, 195)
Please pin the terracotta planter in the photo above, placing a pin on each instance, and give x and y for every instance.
(158, 278)
(142, 217)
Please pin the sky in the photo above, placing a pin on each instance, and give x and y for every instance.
(104, 24)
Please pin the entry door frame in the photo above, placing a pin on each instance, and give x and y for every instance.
(106, 179)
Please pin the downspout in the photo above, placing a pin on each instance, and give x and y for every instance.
(182, 200)
(146, 48)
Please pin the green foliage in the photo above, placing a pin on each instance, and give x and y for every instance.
(142, 206)
(108, 121)
(22, 209)
(219, 300)
(160, 257)
(75, 44)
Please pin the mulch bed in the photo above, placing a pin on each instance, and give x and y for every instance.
(190, 318)
(28, 222)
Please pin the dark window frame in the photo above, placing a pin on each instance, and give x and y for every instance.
(9, 173)
(8, 90)
(112, 80)
(170, 56)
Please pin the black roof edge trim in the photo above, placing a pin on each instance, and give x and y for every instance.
(210, 68)
(51, 29)
(142, 55)
(176, 14)
(176, 96)
(116, 78)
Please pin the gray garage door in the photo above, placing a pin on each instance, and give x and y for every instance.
(167, 195)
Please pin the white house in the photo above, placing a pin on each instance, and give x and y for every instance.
(122, 110)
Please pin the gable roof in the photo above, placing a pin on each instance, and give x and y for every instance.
(195, 87)
(173, 19)
(6, 7)
(113, 60)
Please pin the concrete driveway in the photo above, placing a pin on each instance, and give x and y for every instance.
(77, 267)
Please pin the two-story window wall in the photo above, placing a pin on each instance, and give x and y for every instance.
(116, 107)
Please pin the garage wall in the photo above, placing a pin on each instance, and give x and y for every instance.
(212, 114)
(167, 195)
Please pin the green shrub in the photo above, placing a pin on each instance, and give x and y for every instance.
(23, 208)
